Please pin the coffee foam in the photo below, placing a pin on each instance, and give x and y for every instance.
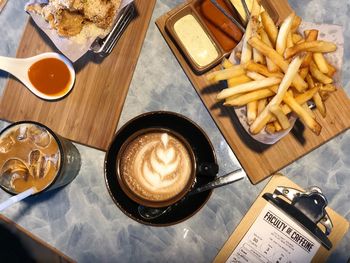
(156, 166)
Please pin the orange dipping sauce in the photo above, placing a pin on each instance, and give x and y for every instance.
(50, 76)
(224, 31)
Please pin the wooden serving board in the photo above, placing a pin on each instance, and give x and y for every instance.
(39, 250)
(260, 160)
(90, 113)
(340, 224)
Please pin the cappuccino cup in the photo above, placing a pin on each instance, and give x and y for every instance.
(156, 167)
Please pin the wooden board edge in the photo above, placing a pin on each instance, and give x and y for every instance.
(15, 227)
(256, 181)
(341, 227)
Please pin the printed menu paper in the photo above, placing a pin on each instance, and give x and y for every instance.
(275, 238)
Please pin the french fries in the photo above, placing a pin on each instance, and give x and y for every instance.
(226, 63)
(272, 54)
(280, 72)
(250, 31)
(317, 74)
(283, 33)
(310, 36)
(296, 38)
(270, 27)
(303, 72)
(328, 88)
(263, 70)
(331, 70)
(309, 111)
(265, 116)
(226, 74)
(249, 97)
(313, 46)
(241, 79)
(295, 24)
(320, 62)
(307, 119)
(262, 103)
(252, 108)
(290, 42)
(265, 38)
(247, 87)
(281, 117)
(319, 104)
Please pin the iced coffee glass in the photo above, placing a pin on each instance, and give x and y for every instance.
(33, 155)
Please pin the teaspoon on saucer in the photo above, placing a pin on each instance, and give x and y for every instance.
(150, 213)
(20, 68)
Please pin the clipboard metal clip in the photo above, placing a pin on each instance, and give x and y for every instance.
(307, 208)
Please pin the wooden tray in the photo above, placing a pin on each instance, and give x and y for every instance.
(89, 115)
(340, 228)
(259, 160)
(39, 250)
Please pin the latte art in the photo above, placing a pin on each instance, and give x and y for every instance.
(162, 164)
(156, 166)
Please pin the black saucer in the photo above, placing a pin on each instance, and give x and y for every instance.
(201, 146)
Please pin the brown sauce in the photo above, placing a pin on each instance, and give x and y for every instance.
(224, 31)
(50, 76)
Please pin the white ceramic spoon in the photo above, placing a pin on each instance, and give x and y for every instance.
(19, 67)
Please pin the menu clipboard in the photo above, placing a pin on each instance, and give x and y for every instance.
(340, 224)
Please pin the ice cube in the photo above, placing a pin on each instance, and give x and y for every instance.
(6, 143)
(39, 164)
(54, 158)
(21, 133)
(35, 163)
(34, 157)
(47, 169)
(42, 167)
(39, 135)
(12, 170)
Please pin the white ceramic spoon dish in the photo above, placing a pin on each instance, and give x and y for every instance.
(19, 67)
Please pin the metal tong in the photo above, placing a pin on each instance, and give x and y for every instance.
(104, 46)
(229, 16)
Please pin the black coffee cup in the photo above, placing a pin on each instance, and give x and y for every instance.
(205, 164)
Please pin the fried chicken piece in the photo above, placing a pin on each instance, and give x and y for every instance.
(69, 23)
(66, 23)
(100, 12)
(69, 16)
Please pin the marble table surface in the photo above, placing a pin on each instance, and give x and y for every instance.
(81, 219)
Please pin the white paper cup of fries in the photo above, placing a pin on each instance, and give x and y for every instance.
(275, 71)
